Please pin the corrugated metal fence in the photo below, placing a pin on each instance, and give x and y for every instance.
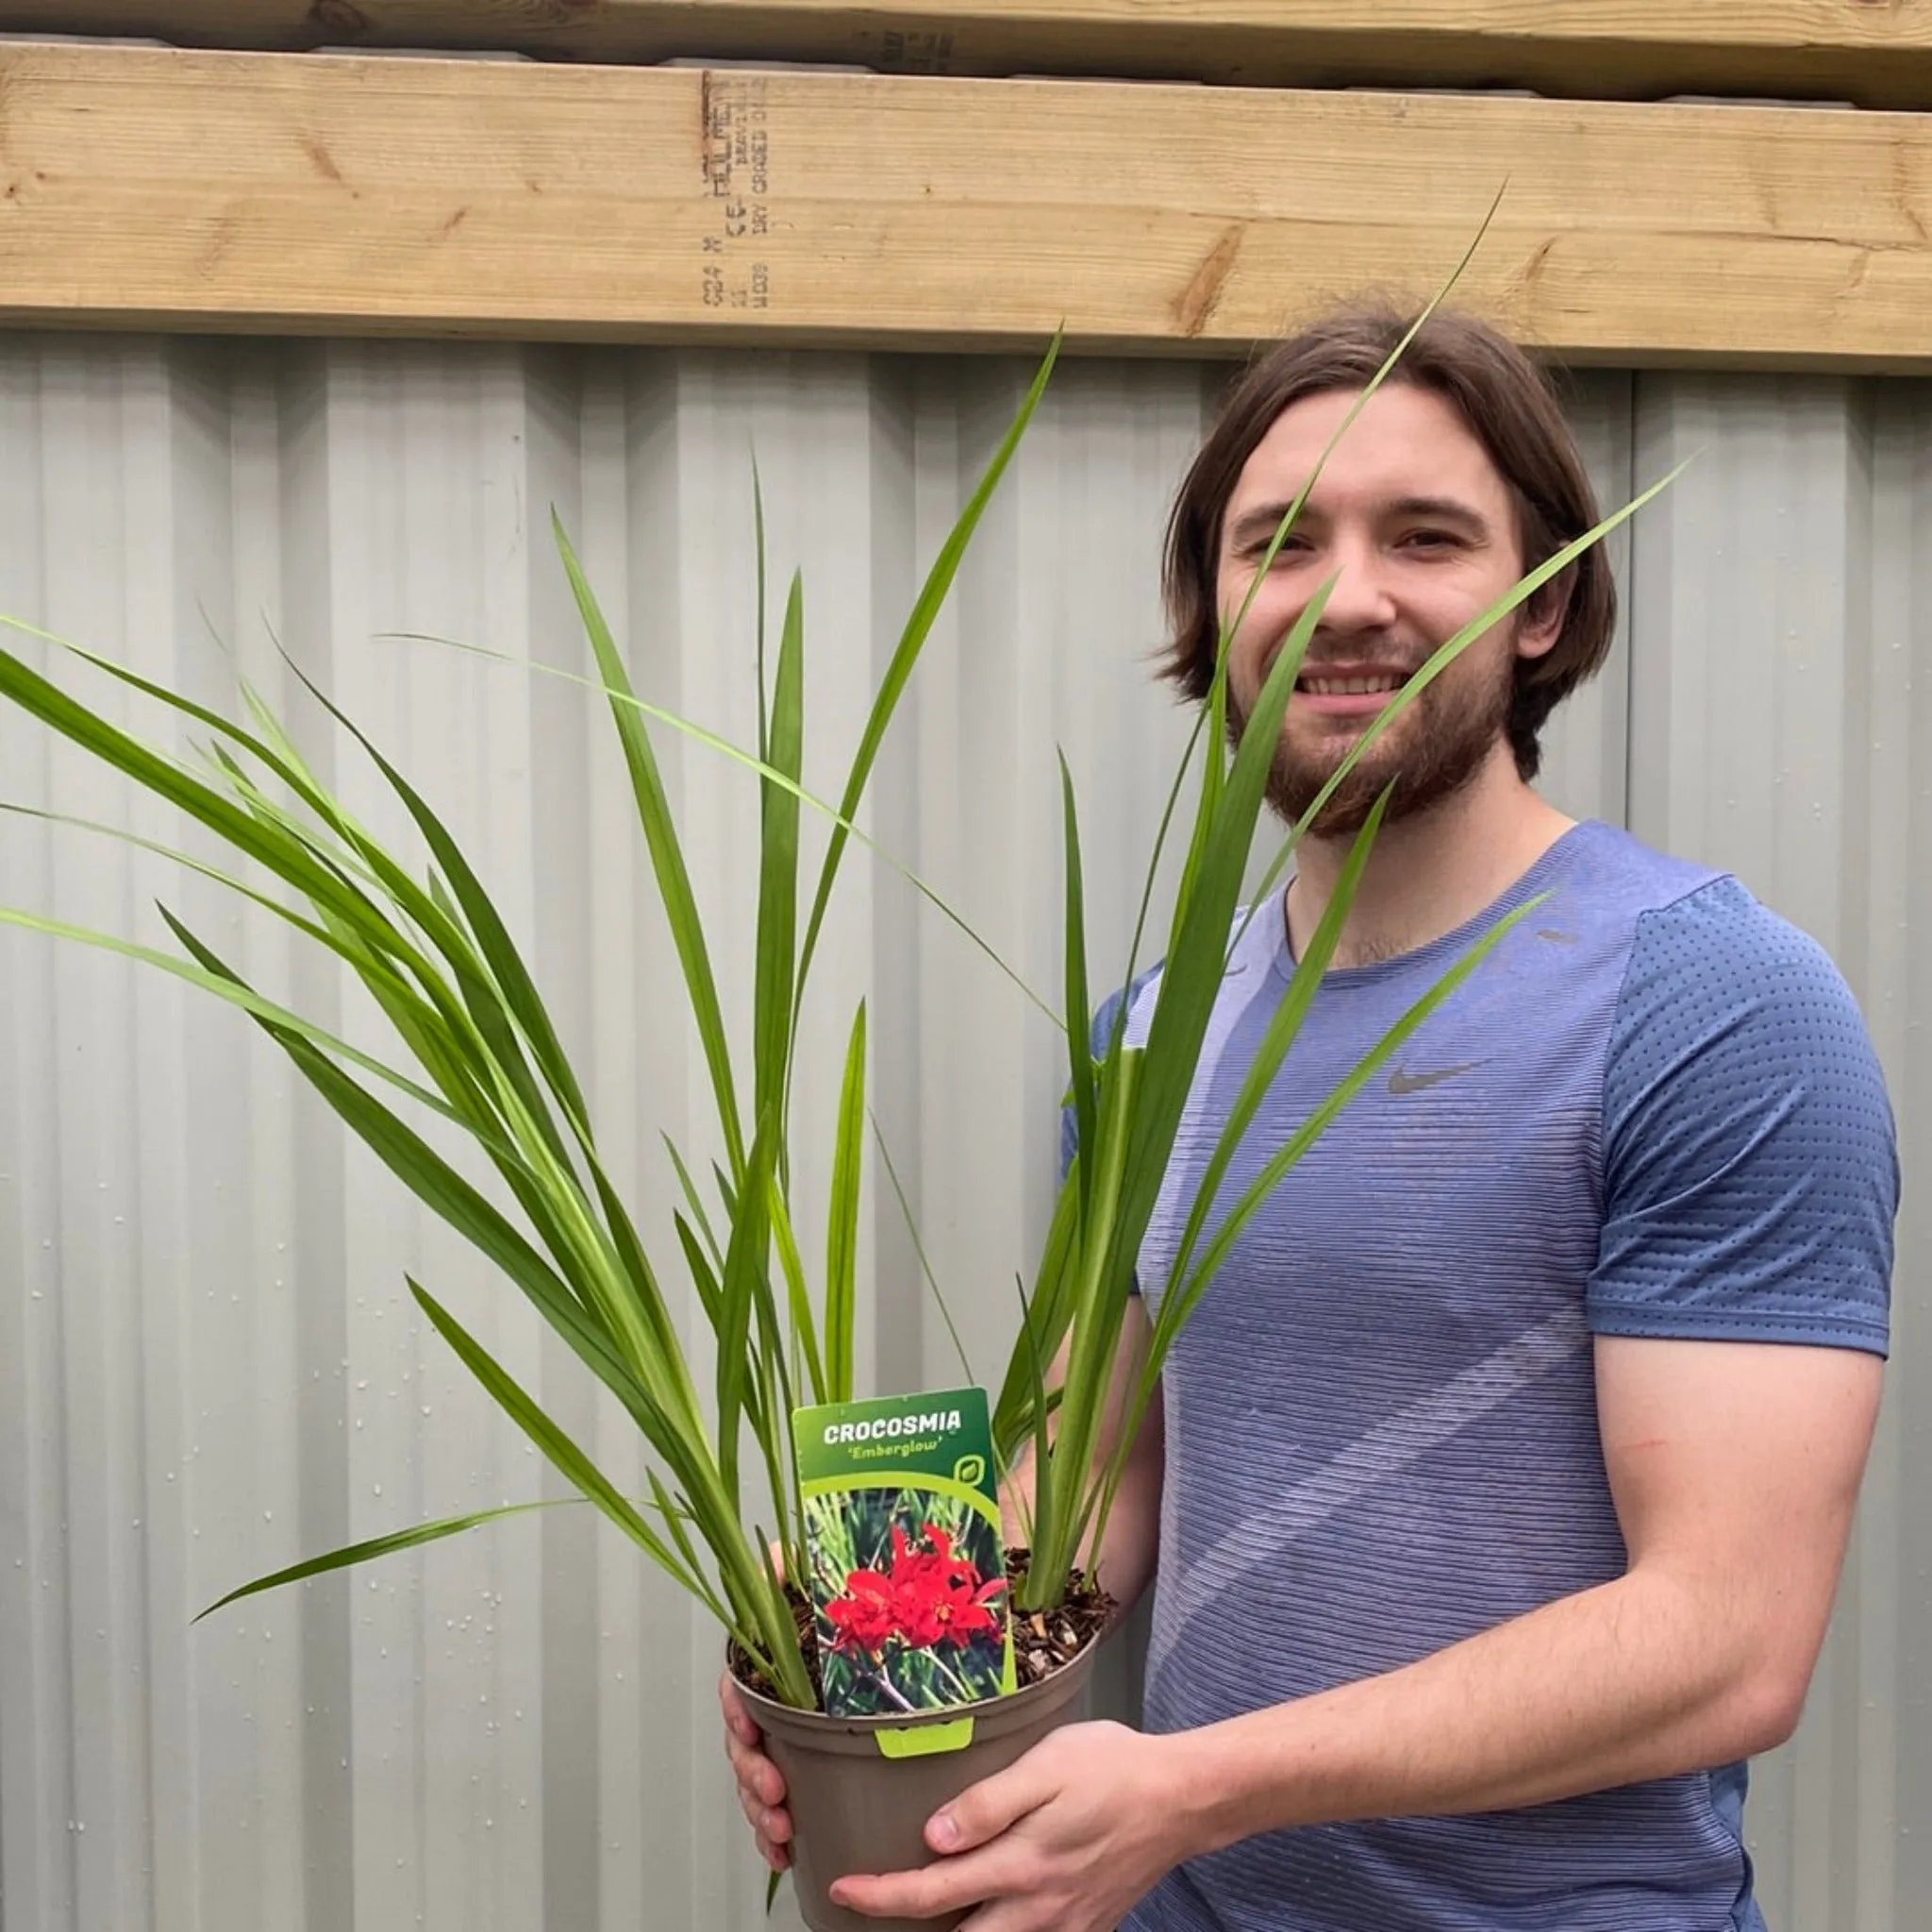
(208, 1364)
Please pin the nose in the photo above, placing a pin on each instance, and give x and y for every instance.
(1360, 600)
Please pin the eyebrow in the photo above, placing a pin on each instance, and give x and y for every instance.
(1263, 519)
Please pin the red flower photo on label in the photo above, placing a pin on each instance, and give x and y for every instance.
(910, 1592)
(930, 1595)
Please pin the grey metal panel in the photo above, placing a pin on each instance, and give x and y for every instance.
(211, 1364)
(1781, 679)
(1585, 743)
(208, 1361)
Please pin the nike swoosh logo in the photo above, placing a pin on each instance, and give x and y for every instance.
(1401, 1082)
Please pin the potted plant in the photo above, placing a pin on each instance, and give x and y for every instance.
(483, 1059)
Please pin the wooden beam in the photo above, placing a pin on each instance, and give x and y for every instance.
(349, 195)
(1877, 53)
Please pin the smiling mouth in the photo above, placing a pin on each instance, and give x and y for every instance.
(1316, 684)
(1351, 685)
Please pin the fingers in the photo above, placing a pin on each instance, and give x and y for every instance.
(761, 1794)
(772, 1830)
(757, 1776)
(738, 1719)
(771, 1821)
(761, 1786)
(983, 1812)
(744, 1746)
(947, 1887)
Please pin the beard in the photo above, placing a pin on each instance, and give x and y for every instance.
(1442, 739)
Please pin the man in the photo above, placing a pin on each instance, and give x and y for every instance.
(1500, 1482)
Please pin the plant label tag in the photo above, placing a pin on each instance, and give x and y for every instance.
(902, 1521)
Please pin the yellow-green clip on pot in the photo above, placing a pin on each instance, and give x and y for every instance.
(927, 1741)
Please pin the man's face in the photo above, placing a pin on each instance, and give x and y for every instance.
(1414, 519)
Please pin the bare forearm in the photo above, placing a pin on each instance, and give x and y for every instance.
(1610, 1687)
(1126, 1558)
(1699, 1655)
(1125, 1561)
(1130, 1537)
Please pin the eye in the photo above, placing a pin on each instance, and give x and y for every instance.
(1432, 540)
(1293, 544)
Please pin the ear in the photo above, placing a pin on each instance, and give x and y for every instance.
(1539, 623)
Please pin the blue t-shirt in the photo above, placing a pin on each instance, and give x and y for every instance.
(1652, 1111)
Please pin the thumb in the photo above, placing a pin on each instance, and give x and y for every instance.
(994, 1805)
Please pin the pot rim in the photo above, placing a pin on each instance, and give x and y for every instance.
(1081, 1661)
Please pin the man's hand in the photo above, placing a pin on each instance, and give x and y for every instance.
(761, 1785)
(760, 1789)
(1066, 1840)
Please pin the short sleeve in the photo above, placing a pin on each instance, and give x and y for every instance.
(1750, 1167)
(1097, 1041)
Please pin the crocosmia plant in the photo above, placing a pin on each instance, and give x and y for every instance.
(475, 1066)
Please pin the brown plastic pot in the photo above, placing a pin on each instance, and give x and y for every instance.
(860, 1789)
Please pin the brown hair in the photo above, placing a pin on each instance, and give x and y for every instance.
(1512, 409)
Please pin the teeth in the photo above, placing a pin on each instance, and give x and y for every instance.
(1348, 687)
